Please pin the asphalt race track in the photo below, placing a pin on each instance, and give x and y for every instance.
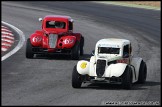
(47, 80)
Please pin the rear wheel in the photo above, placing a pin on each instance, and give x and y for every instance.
(29, 52)
(142, 73)
(76, 78)
(75, 52)
(127, 78)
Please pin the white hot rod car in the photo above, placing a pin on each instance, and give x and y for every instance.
(112, 62)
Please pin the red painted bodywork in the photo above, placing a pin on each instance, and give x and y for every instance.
(66, 37)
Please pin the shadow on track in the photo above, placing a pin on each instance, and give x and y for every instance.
(145, 85)
(106, 86)
(60, 57)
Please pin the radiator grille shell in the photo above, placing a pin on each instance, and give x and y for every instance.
(53, 40)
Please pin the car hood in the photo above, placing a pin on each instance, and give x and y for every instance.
(54, 32)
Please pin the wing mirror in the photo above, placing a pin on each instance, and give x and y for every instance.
(40, 19)
(71, 20)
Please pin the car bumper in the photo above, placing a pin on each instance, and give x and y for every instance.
(37, 50)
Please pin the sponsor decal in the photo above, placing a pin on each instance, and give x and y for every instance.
(83, 65)
(68, 41)
(36, 39)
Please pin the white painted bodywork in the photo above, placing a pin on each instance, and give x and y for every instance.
(113, 70)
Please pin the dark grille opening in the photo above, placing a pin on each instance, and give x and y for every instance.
(100, 67)
(35, 49)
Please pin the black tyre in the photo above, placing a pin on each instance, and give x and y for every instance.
(127, 78)
(142, 73)
(76, 78)
(81, 45)
(29, 52)
(75, 52)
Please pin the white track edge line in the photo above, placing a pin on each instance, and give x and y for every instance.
(19, 45)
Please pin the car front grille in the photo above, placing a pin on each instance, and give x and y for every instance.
(100, 67)
(53, 40)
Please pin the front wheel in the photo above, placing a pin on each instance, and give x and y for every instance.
(81, 45)
(76, 78)
(127, 78)
(29, 52)
(75, 52)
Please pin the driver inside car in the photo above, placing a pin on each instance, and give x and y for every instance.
(59, 25)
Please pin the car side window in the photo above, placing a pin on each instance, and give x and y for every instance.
(130, 48)
(126, 51)
(70, 25)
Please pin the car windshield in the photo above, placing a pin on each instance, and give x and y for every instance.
(55, 24)
(108, 50)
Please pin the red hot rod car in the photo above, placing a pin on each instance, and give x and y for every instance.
(56, 37)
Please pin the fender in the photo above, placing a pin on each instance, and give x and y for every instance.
(78, 36)
(115, 70)
(39, 32)
(136, 62)
(36, 39)
(83, 67)
(66, 42)
(92, 68)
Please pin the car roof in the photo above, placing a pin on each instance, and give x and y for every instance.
(58, 17)
(113, 41)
